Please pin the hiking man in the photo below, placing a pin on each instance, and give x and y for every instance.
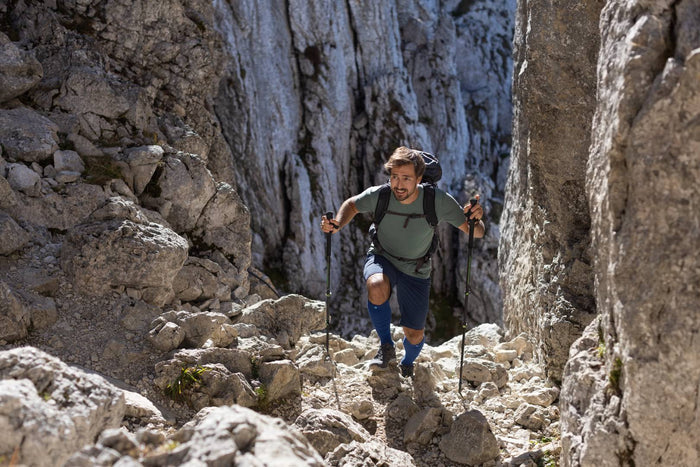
(397, 255)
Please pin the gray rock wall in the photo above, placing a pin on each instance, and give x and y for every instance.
(544, 261)
(603, 192)
(317, 94)
(644, 198)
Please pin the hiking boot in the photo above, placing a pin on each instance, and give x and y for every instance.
(406, 370)
(385, 355)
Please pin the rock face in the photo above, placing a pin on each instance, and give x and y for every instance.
(544, 261)
(629, 389)
(644, 160)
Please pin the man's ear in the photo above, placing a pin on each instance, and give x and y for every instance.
(419, 179)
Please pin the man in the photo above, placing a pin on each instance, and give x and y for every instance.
(394, 257)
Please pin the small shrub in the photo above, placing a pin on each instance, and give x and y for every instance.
(101, 169)
(189, 378)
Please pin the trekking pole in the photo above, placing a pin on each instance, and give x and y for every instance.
(329, 216)
(467, 290)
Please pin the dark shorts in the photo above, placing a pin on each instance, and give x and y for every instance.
(412, 293)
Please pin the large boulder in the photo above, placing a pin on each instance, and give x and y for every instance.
(61, 209)
(26, 135)
(217, 436)
(327, 429)
(111, 252)
(12, 236)
(15, 318)
(470, 440)
(286, 319)
(49, 410)
(19, 70)
(180, 189)
(225, 225)
(372, 452)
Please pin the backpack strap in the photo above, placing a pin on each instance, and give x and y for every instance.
(429, 204)
(382, 203)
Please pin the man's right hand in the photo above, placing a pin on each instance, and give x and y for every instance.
(329, 225)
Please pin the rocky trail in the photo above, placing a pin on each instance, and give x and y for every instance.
(262, 355)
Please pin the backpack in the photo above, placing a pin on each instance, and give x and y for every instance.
(432, 174)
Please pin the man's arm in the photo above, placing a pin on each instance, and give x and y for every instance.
(345, 214)
(479, 229)
(477, 212)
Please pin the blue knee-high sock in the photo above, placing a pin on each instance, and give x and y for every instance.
(411, 351)
(381, 319)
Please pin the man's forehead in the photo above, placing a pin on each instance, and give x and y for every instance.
(405, 169)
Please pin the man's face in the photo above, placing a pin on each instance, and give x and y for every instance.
(404, 183)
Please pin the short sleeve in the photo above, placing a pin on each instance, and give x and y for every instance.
(367, 200)
(448, 209)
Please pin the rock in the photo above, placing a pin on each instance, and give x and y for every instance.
(67, 177)
(19, 70)
(138, 315)
(59, 210)
(7, 196)
(167, 337)
(120, 440)
(346, 357)
(356, 454)
(138, 165)
(225, 225)
(62, 408)
(470, 440)
(15, 318)
(544, 397)
(402, 408)
(206, 329)
(314, 362)
(12, 236)
(326, 429)
(425, 424)
(223, 434)
(199, 279)
(26, 135)
(90, 91)
(22, 178)
(68, 161)
(547, 276)
(281, 380)
(286, 319)
(480, 371)
(139, 408)
(234, 360)
(179, 190)
(101, 255)
(530, 417)
(362, 409)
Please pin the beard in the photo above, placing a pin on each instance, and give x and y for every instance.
(402, 194)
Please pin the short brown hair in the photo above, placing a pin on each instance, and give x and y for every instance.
(405, 156)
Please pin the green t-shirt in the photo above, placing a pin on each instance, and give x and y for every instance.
(404, 237)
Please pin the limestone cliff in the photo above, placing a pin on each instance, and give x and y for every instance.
(610, 142)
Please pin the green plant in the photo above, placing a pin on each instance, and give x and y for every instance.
(189, 377)
(615, 375)
(101, 169)
(600, 350)
(261, 392)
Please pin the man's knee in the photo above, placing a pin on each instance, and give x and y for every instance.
(414, 336)
(378, 288)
